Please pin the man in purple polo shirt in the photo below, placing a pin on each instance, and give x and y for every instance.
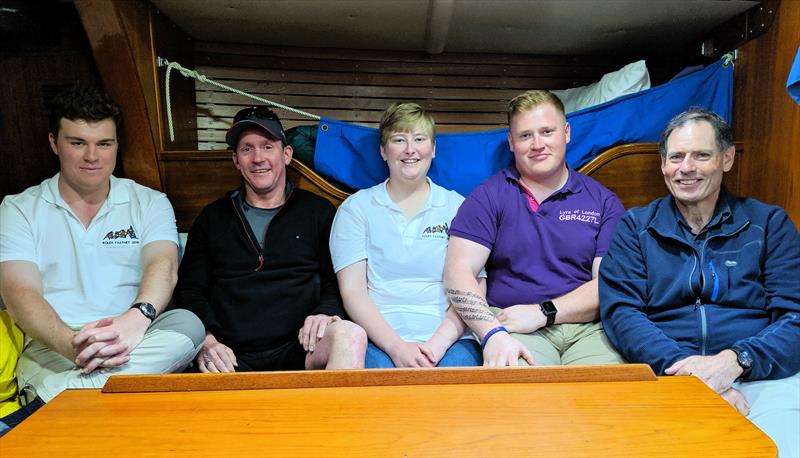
(540, 229)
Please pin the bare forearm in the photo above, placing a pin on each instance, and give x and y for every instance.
(36, 317)
(580, 305)
(451, 328)
(158, 280)
(365, 313)
(21, 291)
(465, 296)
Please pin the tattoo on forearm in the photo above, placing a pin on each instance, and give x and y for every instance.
(470, 306)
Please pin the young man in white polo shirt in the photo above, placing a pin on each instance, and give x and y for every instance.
(88, 262)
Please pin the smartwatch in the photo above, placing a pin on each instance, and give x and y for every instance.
(549, 310)
(146, 308)
(745, 361)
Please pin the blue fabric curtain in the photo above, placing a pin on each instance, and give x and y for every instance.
(793, 82)
(349, 153)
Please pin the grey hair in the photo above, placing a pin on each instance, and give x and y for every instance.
(723, 134)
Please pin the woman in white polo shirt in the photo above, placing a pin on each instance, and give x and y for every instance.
(388, 245)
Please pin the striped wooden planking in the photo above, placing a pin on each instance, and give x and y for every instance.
(464, 92)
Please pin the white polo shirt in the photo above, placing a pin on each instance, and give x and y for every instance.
(87, 273)
(405, 258)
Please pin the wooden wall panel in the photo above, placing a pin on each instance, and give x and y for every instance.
(39, 64)
(119, 32)
(194, 179)
(171, 43)
(766, 119)
(126, 38)
(464, 92)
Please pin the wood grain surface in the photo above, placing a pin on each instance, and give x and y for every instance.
(670, 417)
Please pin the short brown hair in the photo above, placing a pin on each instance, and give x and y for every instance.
(528, 100)
(405, 117)
(723, 134)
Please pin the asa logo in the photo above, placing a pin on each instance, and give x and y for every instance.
(438, 231)
(121, 237)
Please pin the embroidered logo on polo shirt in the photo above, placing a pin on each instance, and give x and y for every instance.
(121, 237)
(586, 216)
(439, 231)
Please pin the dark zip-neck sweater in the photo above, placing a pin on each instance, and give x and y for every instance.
(252, 299)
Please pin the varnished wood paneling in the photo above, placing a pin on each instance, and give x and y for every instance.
(766, 119)
(375, 377)
(35, 72)
(194, 179)
(171, 43)
(194, 183)
(119, 31)
(465, 92)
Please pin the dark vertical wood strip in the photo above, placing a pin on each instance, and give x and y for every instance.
(115, 49)
(766, 117)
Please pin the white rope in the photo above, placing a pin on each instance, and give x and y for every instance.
(728, 58)
(204, 79)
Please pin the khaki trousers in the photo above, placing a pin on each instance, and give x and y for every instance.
(169, 345)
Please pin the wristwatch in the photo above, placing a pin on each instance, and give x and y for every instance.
(549, 310)
(745, 360)
(146, 308)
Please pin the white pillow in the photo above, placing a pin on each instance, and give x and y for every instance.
(627, 80)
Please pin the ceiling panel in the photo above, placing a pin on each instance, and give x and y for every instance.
(555, 27)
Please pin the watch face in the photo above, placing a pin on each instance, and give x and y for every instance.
(548, 308)
(745, 359)
(147, 309)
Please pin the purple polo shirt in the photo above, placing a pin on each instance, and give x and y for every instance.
(536, 256)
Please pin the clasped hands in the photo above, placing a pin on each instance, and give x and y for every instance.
(418, 354)
(108, 342)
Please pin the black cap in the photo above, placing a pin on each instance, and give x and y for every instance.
(258, 116)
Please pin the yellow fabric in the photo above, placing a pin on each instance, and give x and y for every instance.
(11, 338)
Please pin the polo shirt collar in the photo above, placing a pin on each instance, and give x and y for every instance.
(116, 195)
(437, 197)
(572, 186)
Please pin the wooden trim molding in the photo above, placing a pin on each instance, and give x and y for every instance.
(617, 152)
(376, 377)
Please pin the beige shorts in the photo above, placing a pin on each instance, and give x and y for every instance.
(567, 344)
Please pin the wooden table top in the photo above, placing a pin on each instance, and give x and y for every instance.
(665, 417)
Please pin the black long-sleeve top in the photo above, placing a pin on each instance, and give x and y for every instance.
(253, 299)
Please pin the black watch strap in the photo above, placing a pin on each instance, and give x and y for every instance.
(146, 308)
(745, 360)
(549, 310)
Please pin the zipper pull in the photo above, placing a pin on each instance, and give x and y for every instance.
(697, 303)
(261, 263)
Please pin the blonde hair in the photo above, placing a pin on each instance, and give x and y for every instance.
(405, 117)
(529, 100)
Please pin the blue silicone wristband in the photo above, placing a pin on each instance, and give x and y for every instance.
(492, 332)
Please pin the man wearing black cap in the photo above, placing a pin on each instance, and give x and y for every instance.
(257, 270)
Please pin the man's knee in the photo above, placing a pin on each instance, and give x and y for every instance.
(347, 334)
(183, 322)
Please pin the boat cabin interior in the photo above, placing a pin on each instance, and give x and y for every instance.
(349, 59)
